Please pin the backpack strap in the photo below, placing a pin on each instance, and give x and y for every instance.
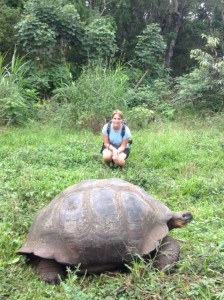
(123, 129)
(108, 128)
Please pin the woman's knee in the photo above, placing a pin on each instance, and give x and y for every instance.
(107, 156)
(120, 162)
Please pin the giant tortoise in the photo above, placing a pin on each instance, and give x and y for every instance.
(100, 225)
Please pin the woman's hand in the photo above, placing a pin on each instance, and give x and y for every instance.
(115, 154)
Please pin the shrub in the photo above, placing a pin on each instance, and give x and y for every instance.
(16, 101)
(96, 93)
(45, 80)
(155, 96)
(139, 117)
(99, 39)
(204, 86)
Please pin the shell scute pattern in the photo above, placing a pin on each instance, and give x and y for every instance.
(111, 216)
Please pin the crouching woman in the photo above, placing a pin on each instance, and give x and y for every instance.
(116, 140)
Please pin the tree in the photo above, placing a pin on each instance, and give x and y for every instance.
(178, 17)
(150, 51)
(98, 39)
(9, 16)
(214, 17)
(132, 17)
(204, 86)
(48, 28)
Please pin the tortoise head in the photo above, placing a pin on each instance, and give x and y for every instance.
(179, 219)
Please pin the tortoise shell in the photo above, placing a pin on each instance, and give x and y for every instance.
(98, 222)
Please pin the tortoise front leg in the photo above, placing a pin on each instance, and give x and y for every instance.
(50, 270)
(167, 254)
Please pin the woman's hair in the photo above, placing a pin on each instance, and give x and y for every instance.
(117, 111)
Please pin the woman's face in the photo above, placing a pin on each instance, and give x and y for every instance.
(116, 121)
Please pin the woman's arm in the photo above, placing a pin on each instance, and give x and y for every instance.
(122, 146)
(106, 141)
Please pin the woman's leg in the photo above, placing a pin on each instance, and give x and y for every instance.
(107, 156)
(120, 160)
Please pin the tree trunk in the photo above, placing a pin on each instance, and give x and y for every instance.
(178, 16)
(222, 40)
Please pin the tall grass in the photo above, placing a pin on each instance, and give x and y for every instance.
(15, 99)
(180, 163)
(94, 95)
(13, 72)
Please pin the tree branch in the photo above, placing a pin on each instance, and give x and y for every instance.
(141, 79)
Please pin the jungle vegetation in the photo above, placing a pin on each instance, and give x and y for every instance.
(83, 58)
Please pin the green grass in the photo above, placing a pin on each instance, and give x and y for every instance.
(181, 163)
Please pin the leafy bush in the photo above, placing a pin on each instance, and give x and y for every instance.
(52, 112)
(155, 96)
(16, 101)
(139, 117)
(35, 36)
(9, 16)
(204, 86)
(45, 80)
(151, 47)
(99, 39)
(14, 109)
(96, 93)
(150, 52)
(47, 28)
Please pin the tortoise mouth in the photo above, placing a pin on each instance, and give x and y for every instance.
(181, 223)
(187, 217)
(180, 219)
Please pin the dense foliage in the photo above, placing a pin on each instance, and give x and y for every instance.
(158, 46)
(204, 86)
(91, 98)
